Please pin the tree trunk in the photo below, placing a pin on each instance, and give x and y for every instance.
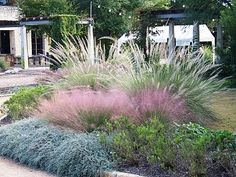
(219, 41)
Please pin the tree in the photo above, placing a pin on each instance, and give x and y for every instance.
(228, 19)
(114, 18)
(34, 8)
(202, 10)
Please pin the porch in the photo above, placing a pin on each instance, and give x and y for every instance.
(34, 61)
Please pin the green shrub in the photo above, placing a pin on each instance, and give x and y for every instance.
(189, 147)
(148, 142)
(62, 152)
(203, 149)
(3, 65)
(192, 141)
(24, 101)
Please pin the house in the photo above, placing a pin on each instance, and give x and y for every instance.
(19, 46)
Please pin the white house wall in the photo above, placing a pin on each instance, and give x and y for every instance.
(9, 13)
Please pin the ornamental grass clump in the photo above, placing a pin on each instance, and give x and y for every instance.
(188, 77)
(153, 102)
(85, 109)
(62, 152)
(77, 69)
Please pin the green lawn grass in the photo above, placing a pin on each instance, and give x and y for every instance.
(224, 106)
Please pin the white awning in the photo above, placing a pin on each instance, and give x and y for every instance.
(183, 34)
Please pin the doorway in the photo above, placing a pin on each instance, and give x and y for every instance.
(5, 42)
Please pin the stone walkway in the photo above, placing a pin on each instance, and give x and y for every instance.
(9, 168)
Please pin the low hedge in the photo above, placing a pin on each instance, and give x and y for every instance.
(61, 152)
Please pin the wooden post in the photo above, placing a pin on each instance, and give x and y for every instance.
(219, 41)
(171, 43)
(91, 49)
(24, 47)
(196, 40)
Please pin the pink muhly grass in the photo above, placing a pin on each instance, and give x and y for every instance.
(85, 108)
(162, 103)
(71, 108)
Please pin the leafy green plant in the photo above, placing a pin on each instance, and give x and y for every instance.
(193, 141)
(23, 102)
(204, 149)
(63, 26)
(189, 147)
(3, 65)
(223, 151)
(130, 142)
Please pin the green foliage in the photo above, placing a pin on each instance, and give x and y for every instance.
(3, 65)
(146, 142)
(23, 102)
(228, 53)
(202, 10)
(61, 12)
(192, 140)
(202, 148)
(115, 25)
(62, 152)
(207, 54)
(34, 8)
(189, 147)
(63, 26)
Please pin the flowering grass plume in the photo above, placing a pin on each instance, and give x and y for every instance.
(85, 109)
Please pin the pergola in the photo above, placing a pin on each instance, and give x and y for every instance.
(36, 21)
(172, 17)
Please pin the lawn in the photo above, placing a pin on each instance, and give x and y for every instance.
(224, 105)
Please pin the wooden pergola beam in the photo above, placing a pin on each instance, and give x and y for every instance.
(48, 22)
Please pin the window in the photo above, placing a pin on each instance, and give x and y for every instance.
(37, 44)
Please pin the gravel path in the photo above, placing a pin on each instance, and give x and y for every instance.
(22, 78)
(9, 168)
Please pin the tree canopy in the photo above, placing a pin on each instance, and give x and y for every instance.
(114, 18)
(33, 8)
(202, 10)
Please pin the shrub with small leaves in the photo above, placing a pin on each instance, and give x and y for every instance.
(23, 102)
(62, 152)
(147, 142)
(190, 147)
